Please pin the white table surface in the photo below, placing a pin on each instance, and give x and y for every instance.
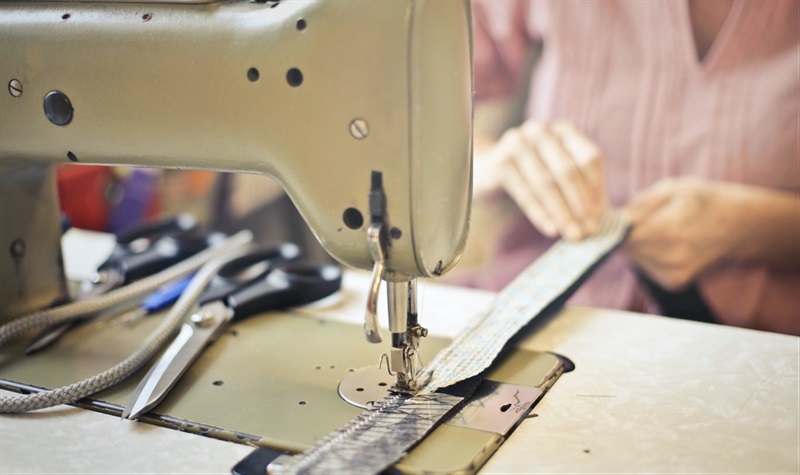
(648, 395)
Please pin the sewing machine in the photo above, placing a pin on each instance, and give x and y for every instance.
(320, 95)
(361, 110)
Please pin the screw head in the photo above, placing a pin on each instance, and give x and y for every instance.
(203, 319)
(359, 129)
(15, 87)
(18, 249)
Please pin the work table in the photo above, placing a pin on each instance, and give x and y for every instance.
(648, 394)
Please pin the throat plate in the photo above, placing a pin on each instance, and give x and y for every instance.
(494, 407)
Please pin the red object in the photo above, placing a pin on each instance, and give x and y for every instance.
(82, 195)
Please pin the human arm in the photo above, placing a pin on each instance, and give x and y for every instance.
(684, 226)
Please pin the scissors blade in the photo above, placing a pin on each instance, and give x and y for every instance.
(178, 357)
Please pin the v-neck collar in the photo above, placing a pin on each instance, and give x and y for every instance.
(720, 40)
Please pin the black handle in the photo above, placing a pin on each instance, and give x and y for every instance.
(256, 463)
(163, 253)
(254, 265)
(164, 227)
(288, 286)
(182, 223)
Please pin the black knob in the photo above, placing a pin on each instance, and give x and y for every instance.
(58, 108)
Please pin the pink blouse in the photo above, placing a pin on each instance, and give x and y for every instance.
(626, 73)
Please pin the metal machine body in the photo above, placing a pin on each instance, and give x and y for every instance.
(319, 95)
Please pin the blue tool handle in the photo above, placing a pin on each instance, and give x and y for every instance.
(166, 295)
(289, 286)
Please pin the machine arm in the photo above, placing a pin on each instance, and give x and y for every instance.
(362, 110)
(317, 94)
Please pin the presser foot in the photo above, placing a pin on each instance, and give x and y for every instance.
(364, 387)
(410, 376)
(412, 386)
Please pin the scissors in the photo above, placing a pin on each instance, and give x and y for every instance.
(258, 281)
(141, 251)
(138, 253)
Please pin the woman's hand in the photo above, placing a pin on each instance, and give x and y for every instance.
(555, 176)
(683, 226)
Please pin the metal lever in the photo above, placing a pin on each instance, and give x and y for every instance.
(371, 328)
(403, 358)
(375, 243)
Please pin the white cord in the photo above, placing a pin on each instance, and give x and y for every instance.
(210, 259)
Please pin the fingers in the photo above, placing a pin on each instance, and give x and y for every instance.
(487, 173)
(672, 265)
(520, 191)
(673, 238)
(590, 163)
(564, 191)
(556, 177)
(648, 202)
(649, 215)
(529, 163)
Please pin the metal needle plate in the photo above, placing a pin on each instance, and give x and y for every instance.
(495, 407)
(363, 387)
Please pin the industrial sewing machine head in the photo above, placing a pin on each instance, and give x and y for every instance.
(361, 110)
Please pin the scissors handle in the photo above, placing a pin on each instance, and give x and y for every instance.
(288, 286)
(240, 271)
(151, 232)
(172, 240)
(163, 253)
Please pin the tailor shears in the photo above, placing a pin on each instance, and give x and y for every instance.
(142, 251)
(255, 282)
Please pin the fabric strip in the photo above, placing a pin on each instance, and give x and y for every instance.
(543, 282)
(381, 436)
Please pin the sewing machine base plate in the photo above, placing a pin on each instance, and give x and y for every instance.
(272, 381)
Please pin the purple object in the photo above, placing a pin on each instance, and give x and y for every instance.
(138, 192)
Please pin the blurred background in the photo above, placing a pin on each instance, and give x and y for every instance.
(112, 199)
